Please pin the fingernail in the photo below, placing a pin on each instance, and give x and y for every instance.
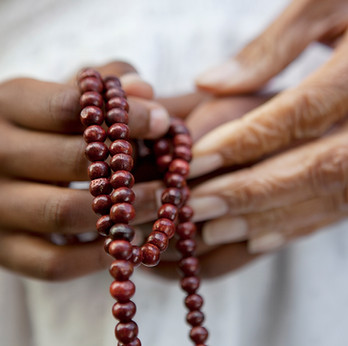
(208, 207)
(129, 78)
(159, 122)
(266, 243)
(221, 75)
(225, 230)
(204, 164)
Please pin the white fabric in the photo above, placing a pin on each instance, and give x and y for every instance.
(296, 297)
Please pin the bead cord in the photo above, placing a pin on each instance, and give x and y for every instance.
(111, 185)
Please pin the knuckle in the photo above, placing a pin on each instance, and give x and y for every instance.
(75, 159)
(329, 171)
(64, 105)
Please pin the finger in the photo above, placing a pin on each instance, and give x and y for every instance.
(38, 258)
(55, 107)
(303, 112)
(52, 209)
(272, 229)
(315, 169)
(298, 25)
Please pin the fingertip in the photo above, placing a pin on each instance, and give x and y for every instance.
(159, 122)
(134, 85)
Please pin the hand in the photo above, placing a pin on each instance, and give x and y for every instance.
(41, 151)
(301, 113)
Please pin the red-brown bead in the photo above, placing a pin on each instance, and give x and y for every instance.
(194, 302)
(151, 255)
(91, 84)
(166, 226)
(162, 147)
(88, 72)
(112, 82)
(163, 162)
(126, 332)
(189, 266)
(121, 162)
(182, 139)
(99, 169)
(116, 115)
(121, 270)
(122, 212)
(159, 239)
(124, 312)
(122, 290)
(179, 166)
(115, 92)
(103, 225)
(186, 230)
(195, 318)
(168, 211)
(91, 98)
(135, 342)
(122, 195)
(120, 249)
(171, 195)
(137, 256)
(101, 204)
(91, 115)
(101, 186)
(190, 284)
(121, 146)
(96, 151)
(186, 247)
(117, 102)
(174, 180)
(122, 231)
(122, 178)
(185, 213)
(198, 334)
(183, 152)
(118, 131)
(94, 133)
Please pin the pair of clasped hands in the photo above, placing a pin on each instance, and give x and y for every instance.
(291, 151)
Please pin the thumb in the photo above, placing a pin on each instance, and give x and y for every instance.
(265, 56)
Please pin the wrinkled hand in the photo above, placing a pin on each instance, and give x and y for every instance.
(42, 150)
(304, 188)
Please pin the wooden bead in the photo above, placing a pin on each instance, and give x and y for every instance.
(116, 115)
(189, 266)
(176, 129)
(94, 133)
(101, 186)
(162, 147)
(137, 256)
(182, 152)
(91, 84)
(194, 302)
(163, 162)
(166, 226)
(122, 195)
(112, 82)
(121, 270)
(195, 318)
(121, 162)
(104, 224)
(121, 231)
(174, 180)
(107, 242)
(98, 169)
(168, 211)
(186, 230)
(190, 284)
(91, 98)
(126, 332)
(198, 334)
(159, 239)
(118, 131)
(88, 72)
(185, 213)
(101, 204)
(122, 290)
(186, 247)
(135, 342)
(185, 191)
(91, 115)
(121, 146)
(124, 312)
(115, 92)
(171, 195)
(122, 212)
(182, 139)
(179, 166)
(96, 151)
(120, 249)
(122, 179)
(118, 103)
(151, 255)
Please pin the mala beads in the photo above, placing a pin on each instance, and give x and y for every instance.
(111, 185)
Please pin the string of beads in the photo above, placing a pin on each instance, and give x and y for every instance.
(105, 102)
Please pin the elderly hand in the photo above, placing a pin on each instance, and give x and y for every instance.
(42, 150)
